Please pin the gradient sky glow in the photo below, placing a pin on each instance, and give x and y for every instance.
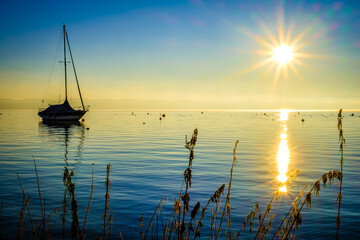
(175, 51)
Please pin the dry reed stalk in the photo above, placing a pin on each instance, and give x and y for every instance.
(251, 217)
(107, 223)
(194, 212)
(21, 218)
(214, 219)
(90, 198)
(227, 207)
(41, 204)
(214, 198)
(70, 187)
(38, 228)
(118, 227)
(172, 225)
(292, 206)
(166, 230)
(49, 229)
(28, 208)
(107, 198)
(327, 178)
(187, 179)
(154, 216)
(55, 210)
(110, 226)
(262, 229)
(169, 227)
(341, 150)
(211, 222)
(175, 225)
(63, 215)
(141, 225)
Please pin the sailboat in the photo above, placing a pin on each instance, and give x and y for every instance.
(64, 112)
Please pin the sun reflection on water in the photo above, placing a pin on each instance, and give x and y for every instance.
(283, 115)
(283, 154)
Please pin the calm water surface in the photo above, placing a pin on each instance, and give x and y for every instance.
(148, 159)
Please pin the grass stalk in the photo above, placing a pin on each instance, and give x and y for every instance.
(154, 216)
(88, 206)
(292, 206)
(214, 198)
(227, 207)
(262, 230)
(141, 225)
(326, 178)
(27, 205)
(118, 227)
(107, 198)
(187, 179)
(251, 217)
(341, 150)
(41, 204)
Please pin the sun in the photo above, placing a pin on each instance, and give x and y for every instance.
(283, 54)
(282, 48)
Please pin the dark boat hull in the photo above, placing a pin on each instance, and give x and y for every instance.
(61, 112)
(62, 116)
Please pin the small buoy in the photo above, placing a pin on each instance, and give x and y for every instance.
(352, 114)
(163, 115)
(202, 112)
(303, 120)
(147, 113)
(83, 120)
(87, 128)
(160, 118)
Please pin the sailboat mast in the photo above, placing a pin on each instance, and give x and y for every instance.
(73, 64)
(65, 63)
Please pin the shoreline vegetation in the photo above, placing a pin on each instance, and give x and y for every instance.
(211, 219)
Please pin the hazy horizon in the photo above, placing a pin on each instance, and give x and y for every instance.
(175, 105)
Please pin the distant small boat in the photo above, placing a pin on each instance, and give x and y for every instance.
(64, 112)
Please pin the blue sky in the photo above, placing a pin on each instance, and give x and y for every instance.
(184, 50)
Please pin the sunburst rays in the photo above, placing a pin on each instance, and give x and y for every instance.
(290, 45)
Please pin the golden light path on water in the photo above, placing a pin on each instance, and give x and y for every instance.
(283, 154)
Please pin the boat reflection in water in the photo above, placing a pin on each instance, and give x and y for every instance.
(283, 154)
(62, 132)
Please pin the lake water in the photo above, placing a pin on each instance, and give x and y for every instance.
(148, 159)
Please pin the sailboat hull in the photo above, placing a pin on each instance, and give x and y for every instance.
(73, 116)
(62, 117)
(61, 112)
